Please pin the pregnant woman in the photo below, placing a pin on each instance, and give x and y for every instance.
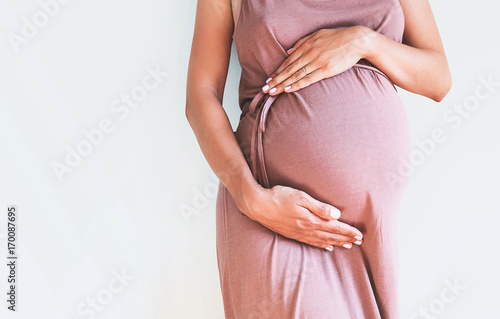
(311, 181)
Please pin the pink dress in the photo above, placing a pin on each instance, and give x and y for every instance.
(342, 140)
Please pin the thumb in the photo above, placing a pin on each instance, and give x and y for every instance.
(319, 208)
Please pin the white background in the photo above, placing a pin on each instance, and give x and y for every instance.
(120, 208)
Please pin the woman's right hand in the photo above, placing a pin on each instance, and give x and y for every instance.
(296, 215)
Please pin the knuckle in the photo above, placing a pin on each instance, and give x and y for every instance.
(328, 64)
(311, 53)
(287, 69)
(307, 225)
(318, 38)
(314, 50)
(299, 224)
(307, 44)
(336, 228)
(310, 221)
(321, 210)
(302, 198)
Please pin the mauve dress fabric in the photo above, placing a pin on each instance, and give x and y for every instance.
(342, 140)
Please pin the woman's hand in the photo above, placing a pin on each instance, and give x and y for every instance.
(296, 215)
(418, 64)
(323, 54)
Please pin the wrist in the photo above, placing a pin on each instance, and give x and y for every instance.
(251, 195)
(365, 42)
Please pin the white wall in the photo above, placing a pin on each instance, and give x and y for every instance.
(119, 208)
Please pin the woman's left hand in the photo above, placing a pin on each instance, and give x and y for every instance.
(322, 54)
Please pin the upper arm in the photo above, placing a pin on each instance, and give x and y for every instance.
(420, 26)
(211, 47)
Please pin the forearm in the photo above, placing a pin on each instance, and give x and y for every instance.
(421, 71)
(218, 144)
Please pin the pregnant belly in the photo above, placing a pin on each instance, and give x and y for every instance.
(338, 139)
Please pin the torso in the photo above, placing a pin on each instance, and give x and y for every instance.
(344, 140)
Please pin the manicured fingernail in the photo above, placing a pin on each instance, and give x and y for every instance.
(288, 88)
(268, 80)
(358, 242)
(272, 90)
(347, 246)
(358, 237)
(329, 248)
(288, 51)
(335, 213)
(265, 87)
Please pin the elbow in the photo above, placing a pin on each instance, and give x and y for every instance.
(187, 112)
(443, 89)
(188, 109)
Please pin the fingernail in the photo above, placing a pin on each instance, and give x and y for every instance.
(268, 80)
(288, 88)
(335, 213)
(357, 242)
(329, 248)
(347, 246)
(272, 90)
(287, 51)
(358, 237)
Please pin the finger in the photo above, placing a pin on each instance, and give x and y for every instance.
(304, 81)
(337, 240)
(286, 69)
(317, 207)
(295, 52)
(339, 228)
(286, 63)
(316, 243)
(299, 43)
(327, 241)
(286, 85)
